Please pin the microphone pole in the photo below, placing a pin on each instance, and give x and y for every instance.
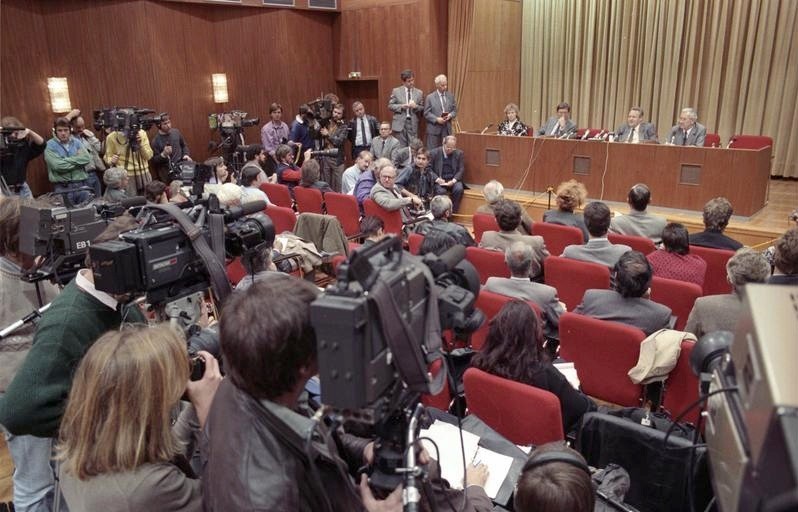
(489, 126)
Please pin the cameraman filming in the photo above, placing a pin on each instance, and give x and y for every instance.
(333, 137)
(133, 156)
(168, 147)
(25, 146)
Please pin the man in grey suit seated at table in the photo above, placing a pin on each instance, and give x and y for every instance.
(635, 130)
(638, 222)
(406, 103)
(597, 249)
(628, 302)
(560, 124)
(688, 132)
(440, 109)
(520, 259)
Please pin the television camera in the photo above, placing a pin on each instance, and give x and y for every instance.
(128, 120)
(231, 132)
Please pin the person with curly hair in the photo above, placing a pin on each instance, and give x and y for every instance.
(570, 195)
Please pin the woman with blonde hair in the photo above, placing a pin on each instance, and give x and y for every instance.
(570, 196)
(512, 125)
(118, 448)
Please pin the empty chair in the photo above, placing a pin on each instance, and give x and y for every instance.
(557, 236)
(483, 222)
(392, 220)
(637, 243)
(283, 219)
(309, 200)
(677, 295)
(681, 388)
(414, 241)
(750, 141)
(715, 281)
(712, 140)
(487, 262)
(603, 353)
(344, 206)
(523, 414)
(490, 304)
(278, 194)
(573, 277)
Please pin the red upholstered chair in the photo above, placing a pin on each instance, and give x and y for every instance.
(444, 398)
(414, 241)
(530, 131)
(558, 237)
(681, 388)
(278, 194)
(345, 208)
(637, 243)
(712, 140)
(483, 222)
(487, 262)
(392, 220)
(235, 271)
(523, 414)
(284, 219)
(677, 295)
(715, 281)
(309, 200)
(750, 141)
(490, 304)
(603, 353)
(573, 277)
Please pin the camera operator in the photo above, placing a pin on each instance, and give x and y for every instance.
(14, 165)
(301, 132)
(273, 133)
(333, 137)
(123, 454)
(133, 158)
(94, 147)
(34, 401)
(168, 147)
(66, 160)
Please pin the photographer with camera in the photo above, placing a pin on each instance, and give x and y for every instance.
(66, 160)
(333, 136)
(123, 454)
(132, 155)
(168, 147)
(20, 145)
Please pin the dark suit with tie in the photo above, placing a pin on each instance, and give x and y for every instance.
(548, 128)
(435, 104)
(449, 167)
(646, 132)
(356, 125)
(405, 120)
(695, 138)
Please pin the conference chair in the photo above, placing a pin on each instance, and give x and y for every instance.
(715, 281)
(557, 236)
(414, 241)
(681, 387)
(573, 277)
(490, 304)
(677, 295)
(284, 219)
(483, 222)
(235, 271)
(443, 399)
(603, 352)
(750, 141)
(487, 262)
(309, 200)
(712, 140)
(392, 220)
(637, 243)
(344, 206)
(278, 194)
(524, 414)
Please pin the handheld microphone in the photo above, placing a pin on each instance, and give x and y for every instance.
(486, 129)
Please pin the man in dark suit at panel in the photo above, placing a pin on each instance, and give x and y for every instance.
(688, 132)
(447, 163)
(560, 124)
(635, 130)
(363, 128)
(406, 103)
(440, 109)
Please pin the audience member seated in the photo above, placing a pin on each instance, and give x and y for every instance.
(674, 261)
(220, 173)
(570, 196)
(229, 194)
(447, 163)
(252, 178)
(372, 229)
(437, 243)
(404, 160)
(785, 269)
(257, 158)
(258, 264)
(421, 180)
(638, 222)
(598, 249)
(628, 302)
(310, 177)
(508, 216)
(493, 192)
(155, 192)
(384, 145)
(118, 453)
(350, 175)
(115, 180)
(368, 179)
(770, 252)
(720, 312)
(511, 124)
(175, 192)
(717, 213)
(520, 259)
(551, 484)
(441, 209)
(514, 350)
(287, 172)
(390, 198)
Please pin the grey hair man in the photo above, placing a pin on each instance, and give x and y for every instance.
(440, 109)
(687, 132)
(493, 192)
(441, 210)
(115, 179)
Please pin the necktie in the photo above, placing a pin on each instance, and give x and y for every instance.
(408, 101)
(684, 137)
(443, 103)
(363, 137)
(631, 135)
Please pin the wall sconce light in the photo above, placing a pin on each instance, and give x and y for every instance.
(219, 81)
(59, 94)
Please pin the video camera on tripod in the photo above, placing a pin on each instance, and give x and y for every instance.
(128, 120)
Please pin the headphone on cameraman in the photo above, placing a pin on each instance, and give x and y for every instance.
(565, 456)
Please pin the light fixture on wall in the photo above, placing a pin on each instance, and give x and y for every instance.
(219, 81)
(59, 94)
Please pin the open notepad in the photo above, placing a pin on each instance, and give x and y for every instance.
(447, 437)
(569, 371)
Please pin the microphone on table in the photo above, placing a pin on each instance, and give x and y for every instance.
(486, 129)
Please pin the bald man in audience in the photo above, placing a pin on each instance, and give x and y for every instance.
(598, 248)
(638, 222)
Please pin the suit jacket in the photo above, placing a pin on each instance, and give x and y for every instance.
(374, 128)
(597, 250)
(398, 98)
(436, 157)
(639, 224)
(543, 295)
(714, 240)
(433, 109)
(714, 313)
(384, 148)
(549, 126)
(695, 138)
(500, 240)
(390, 200)
(645, 132)
(644, 314)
